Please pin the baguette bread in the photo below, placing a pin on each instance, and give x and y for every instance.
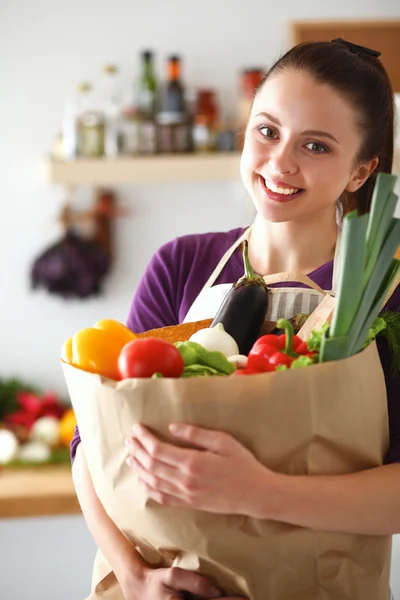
(176, 333)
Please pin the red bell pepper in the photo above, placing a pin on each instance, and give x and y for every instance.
(271, 351)
(246, 371)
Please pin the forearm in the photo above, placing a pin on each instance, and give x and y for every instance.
(121, 555)
(367, 502)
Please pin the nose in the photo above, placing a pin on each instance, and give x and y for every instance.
(282, 160)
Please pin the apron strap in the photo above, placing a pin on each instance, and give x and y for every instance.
(293, 276)
(218, 269)
(278, 277)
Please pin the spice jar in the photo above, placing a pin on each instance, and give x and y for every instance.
(204, 121)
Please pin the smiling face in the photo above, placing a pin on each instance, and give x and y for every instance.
(300, 148)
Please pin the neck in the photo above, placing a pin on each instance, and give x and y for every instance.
(301, 245)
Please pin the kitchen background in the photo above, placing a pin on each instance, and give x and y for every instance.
(46, 49)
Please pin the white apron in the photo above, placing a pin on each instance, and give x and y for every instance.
(284, 302)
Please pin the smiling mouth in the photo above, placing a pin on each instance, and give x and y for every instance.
(280, 191)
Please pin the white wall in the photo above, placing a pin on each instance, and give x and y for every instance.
(46, 47)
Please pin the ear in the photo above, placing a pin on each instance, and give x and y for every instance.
(361, 174)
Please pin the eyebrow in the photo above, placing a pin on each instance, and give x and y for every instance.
(316, 132)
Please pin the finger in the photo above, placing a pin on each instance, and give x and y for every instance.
(183, 580)
(166, 483)
(152, 464)
(208, 439)
(164, 498)
(167, 453)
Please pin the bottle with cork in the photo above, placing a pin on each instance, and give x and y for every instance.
(173, 119)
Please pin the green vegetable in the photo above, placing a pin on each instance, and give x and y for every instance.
(302, 361)
(298, 363)
(299, 320)
(315, 338)
(194, 354)
(367, 270)
(9, 390)
(59, 456)
(353, 236)
(187, 352)
(377, 327)
(392, 334)
(199, 371)
(380, 221)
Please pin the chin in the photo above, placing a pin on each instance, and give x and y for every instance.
(275, 213)
(272, 217)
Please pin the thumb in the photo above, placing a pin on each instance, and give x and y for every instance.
(186, 581)
(205, 439)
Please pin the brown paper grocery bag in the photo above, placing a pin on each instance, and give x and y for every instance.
(328, 418)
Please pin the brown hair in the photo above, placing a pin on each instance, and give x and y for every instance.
(362, 79)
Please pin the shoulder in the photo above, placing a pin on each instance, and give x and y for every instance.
(195, 246)
(190, 260)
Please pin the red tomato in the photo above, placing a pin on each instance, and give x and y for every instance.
(145, 356)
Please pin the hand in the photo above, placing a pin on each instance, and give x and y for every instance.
(222, 476)
(169, 584)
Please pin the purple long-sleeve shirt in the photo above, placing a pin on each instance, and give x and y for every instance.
(176, 275)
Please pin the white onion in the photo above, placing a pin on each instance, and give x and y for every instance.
(46, 429)
(8, 446)
(216, 339)
(34, 452)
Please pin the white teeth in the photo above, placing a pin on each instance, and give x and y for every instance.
(279, 190)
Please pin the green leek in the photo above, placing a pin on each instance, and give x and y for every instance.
(367, 270)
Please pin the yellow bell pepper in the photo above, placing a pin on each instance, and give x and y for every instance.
(97, 348)
(66, 427)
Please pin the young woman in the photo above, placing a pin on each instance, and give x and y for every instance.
(320, 129)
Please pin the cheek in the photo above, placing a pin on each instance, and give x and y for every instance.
(246, 165)
(250, 159)
(328, 177)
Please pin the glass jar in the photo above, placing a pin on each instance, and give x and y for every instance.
(205, 121)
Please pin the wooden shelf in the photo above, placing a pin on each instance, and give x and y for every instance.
(183, 167)
(37, 492)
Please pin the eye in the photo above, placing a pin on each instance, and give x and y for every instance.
(267, 132)
(317, 147)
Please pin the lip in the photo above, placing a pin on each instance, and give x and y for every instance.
(281, 198)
